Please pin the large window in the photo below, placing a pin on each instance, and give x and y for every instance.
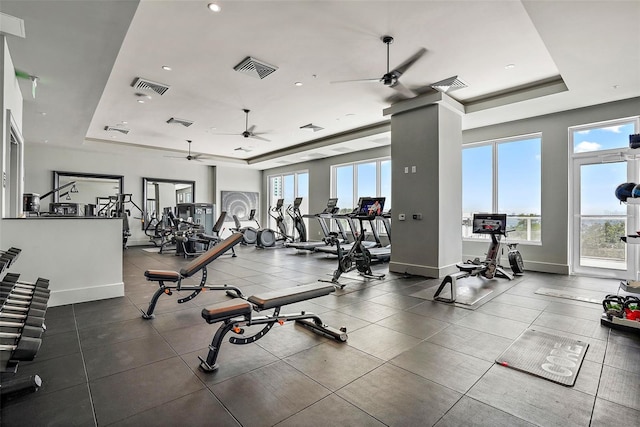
(288, 187)
(504, 176)
(601, 160)
(371, 178)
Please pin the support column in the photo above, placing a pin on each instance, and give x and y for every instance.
(426, 183)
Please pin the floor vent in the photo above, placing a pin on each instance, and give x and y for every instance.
(254, 68)
(143, 84)
(183, 122)
(115, 129)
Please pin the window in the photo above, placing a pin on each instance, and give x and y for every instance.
(288, 187)
(371, 178)
(504, 176)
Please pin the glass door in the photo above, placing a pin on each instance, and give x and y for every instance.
(600, 219)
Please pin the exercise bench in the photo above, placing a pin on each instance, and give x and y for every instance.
(236, 313)
(198, 264)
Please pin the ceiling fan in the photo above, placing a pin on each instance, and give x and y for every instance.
(195, 157)
(248, 131)
(391, 78)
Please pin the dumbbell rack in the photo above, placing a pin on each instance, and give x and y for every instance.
(22, 309)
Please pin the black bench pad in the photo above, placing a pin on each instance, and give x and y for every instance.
(292, 295)
(210, 255)
(226, 310)
(164, 275)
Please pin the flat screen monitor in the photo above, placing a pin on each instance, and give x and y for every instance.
(332, 203)
(279, 203)
(489, 223)
(297, 202)
(371, 206)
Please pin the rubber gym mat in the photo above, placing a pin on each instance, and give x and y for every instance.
(562, 293)
(548, 356)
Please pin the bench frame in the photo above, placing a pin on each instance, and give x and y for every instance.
(211, 255)
(235, 323)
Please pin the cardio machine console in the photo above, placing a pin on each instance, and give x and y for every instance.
(489, 223)
(370, 207)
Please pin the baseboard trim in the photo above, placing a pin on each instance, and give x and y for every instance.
(94, 293)
(421, 270)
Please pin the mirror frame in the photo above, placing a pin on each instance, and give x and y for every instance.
(58, 174)
(146, 180)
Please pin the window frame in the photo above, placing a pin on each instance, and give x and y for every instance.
(378, 161)
(494, 144)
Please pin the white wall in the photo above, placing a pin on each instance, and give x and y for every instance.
(41, 160)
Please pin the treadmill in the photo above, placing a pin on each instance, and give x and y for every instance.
(351, 220)
(327, 213)
(383, 254)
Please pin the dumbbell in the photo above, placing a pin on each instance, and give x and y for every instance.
(33, 318)
(23, 307)
(33, 383)
(14, 278)
(14, 329)
(24, 349)
(12, 326)
(40, 298)
(40, 292)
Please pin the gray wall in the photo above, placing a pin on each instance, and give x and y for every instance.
(552, 255)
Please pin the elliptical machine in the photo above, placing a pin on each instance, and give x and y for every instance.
(494, 225)
(250, 234)
(296, 217)
(267, 237)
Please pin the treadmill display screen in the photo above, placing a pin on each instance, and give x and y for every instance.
(371, 206)
(489, 223)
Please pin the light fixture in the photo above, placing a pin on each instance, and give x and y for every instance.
(298, 83)
(510, 66)
(43, 113)
(449, 85)
(213, 7)
(141, 101)
(166, 68)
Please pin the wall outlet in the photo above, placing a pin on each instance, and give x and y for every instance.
(417, 216)
(413, 169)
(406, 169)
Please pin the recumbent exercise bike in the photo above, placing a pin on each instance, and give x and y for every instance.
(495, 225)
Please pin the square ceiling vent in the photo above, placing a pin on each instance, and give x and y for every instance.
(144, 84)
(254, 68)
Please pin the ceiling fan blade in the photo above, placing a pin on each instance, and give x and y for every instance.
(357, 81)
(251, 128)
(402, 68)
(254, 136)
(402, 89)
(175, 157)
(223, 133)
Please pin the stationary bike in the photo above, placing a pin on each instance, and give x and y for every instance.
(495, 226)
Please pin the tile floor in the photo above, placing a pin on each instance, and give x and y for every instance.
(408, 361)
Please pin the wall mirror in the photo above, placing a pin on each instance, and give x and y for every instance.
(161, 194)
(86, 190)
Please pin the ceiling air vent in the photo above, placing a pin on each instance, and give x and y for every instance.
(183, 122)
(311, 127)
(254, 68)
(115, 129)
(143, 84)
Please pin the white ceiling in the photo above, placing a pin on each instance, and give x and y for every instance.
(87, 53)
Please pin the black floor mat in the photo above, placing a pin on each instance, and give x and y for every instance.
(551, 357)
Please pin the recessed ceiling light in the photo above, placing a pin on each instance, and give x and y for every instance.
(214, 7)
(298, 83)
(141, 101)
(124, 122)
(43, 113)
(510, 66)
(46, 140)
(166, 68)
(349, 114)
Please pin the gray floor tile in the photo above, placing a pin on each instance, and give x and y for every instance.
(328, 412)
(58, 345)
(56, 374)
(470, 412)
(274, 392)
(624, 338)
(586, 311)
(623, 357)
(607, 413)
(326, 364)
(283, 341)
(495, 325)
(474, 343)
(533, 399)
(447, 367)
(112, 333)
(369, 311)
(508, 311)
(398, 397)
(122, 395)
(381, 342)
(568, 324)
(520, 301)
(190, 339)
(401, 302)
(122, 356)
(440, 311)
(68, 407)
(202, 407)
(621, 387)
(413, 324)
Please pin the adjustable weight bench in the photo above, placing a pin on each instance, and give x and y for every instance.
(234, 314)
(198, 264)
